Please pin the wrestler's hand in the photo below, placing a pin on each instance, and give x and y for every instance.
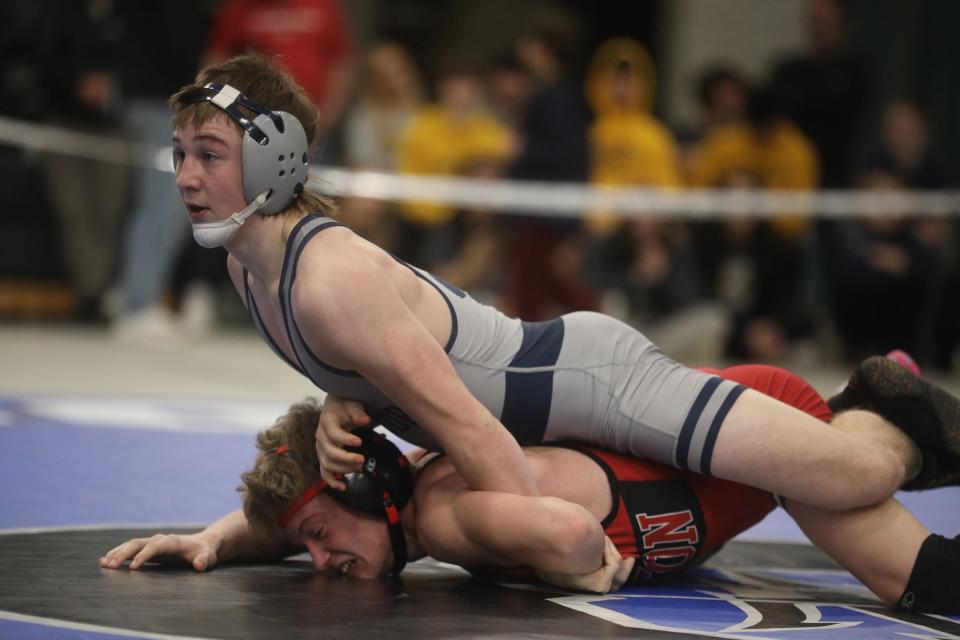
(611, 575)
(197, 549)
(337, 418)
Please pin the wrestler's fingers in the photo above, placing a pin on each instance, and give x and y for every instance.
(331, 479)
(358, 415)
(622, 574)
(610, 553)
(611, 566)
(337, 460)
(204, 561)
(334, 457)
(123, 552)
(163, 545)
(331, 430)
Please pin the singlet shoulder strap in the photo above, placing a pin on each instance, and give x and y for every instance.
(259, 324)
(304, 231)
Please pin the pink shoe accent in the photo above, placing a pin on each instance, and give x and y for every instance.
(903, 359)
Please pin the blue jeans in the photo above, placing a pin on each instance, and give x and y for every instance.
(157, 226)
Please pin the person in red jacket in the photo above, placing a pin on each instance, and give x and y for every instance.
(312, 38)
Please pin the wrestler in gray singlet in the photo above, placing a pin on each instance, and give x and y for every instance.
(583, 376)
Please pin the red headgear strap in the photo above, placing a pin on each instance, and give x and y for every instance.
(307, 496)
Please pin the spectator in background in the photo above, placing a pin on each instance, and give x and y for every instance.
(643, 265)
(766, 145)
(827, 90)
(905, 154)
(509, 89)
(757, 274)
(905, 150)
(455, 136)
(544, 261)
(80, 52)
(156, 62)
(722, 93)
(312, 38)
(883, 278)
(390, 93)
(628, 145)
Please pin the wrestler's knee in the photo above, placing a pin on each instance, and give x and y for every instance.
(873, 474)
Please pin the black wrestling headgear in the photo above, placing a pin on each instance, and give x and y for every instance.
(381, 488)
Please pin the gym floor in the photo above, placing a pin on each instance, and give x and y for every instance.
(103, 441)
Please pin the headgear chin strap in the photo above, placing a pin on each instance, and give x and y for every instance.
(274, 156)
(217, 234)
(381, 488)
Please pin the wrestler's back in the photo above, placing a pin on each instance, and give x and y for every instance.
(583, 376)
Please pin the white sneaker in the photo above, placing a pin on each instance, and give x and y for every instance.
(152, 327)
(198, 310)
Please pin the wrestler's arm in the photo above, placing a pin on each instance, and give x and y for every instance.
(354, 310)
(225, 540)
(562, 542)
(474, 528)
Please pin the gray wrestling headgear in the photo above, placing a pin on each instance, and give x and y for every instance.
(274, 159)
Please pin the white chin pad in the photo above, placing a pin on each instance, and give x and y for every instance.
(216, 234)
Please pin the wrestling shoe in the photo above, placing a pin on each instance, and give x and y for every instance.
(926, 413)
(840, 402)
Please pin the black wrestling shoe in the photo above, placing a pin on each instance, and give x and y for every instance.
(932, 474)
(926, 413)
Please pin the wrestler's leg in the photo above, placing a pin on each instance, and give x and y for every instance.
(637, 401)
(766, 444)
(888, 550)
(792, 390)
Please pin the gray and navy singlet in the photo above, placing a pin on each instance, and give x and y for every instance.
(584, 376)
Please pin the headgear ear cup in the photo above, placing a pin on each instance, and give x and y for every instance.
(382, 488)
(279, 164)
(385, 468)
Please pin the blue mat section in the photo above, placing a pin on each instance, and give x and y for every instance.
(37, 631)
(61, 473)
(100, 460)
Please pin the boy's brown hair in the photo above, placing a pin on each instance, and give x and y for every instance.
(279, 479)
(264, 81)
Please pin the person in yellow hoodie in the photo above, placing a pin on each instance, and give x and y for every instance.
(629, 146)
(456, 136)
(644, 265)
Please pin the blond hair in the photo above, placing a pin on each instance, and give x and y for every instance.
(278, 479)
(264, 81)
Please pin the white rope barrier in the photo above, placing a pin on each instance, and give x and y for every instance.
(520, 197)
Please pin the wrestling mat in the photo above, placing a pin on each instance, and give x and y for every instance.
(77, 469)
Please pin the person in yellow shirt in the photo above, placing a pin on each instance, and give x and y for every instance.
(456, 136)
(767, 146)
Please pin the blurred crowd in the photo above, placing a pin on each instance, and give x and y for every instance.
(546, 109)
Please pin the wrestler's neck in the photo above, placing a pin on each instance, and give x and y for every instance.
(260, 245)
(408, 518)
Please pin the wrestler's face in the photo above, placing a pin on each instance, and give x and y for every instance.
(208, 165)
(340, 540)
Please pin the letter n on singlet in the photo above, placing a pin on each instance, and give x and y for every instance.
(667, 521)
(668, 529)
